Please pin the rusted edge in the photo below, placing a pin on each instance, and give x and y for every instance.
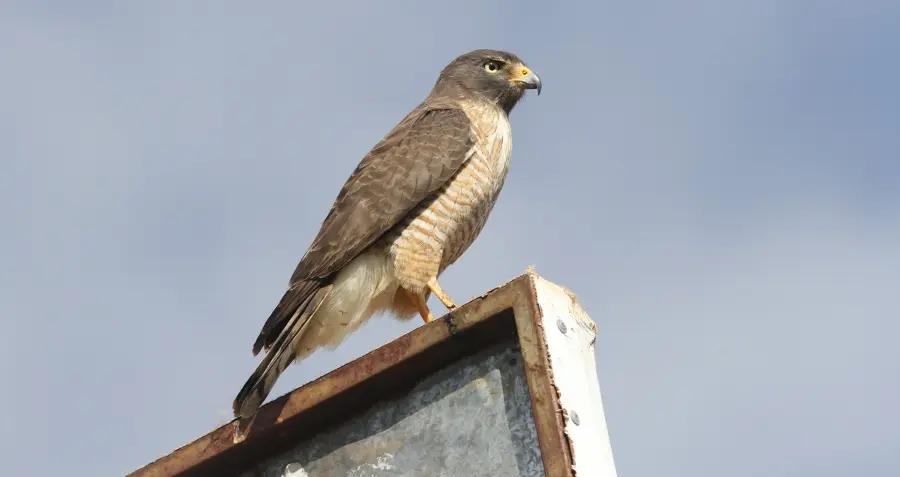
(390, 369)
(548, 414)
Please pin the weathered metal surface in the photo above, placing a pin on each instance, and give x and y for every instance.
(508, 312)
(471, 419)
(548, 418)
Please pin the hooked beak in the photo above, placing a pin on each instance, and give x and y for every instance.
(525, 78)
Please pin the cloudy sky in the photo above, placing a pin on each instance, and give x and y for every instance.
(718, 181)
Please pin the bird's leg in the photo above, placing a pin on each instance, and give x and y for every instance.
(438, 292)
(420, 305)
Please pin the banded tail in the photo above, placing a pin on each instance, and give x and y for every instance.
(293, 314)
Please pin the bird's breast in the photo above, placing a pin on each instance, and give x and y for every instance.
(443, 227)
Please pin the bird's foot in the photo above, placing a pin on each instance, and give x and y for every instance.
(420, 305)
(439, 292)
(427, 317)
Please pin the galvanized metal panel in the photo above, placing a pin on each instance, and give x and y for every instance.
(470, 419)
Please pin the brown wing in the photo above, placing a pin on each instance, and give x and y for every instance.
(413, 161)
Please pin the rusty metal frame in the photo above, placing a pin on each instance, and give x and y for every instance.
(507, 312)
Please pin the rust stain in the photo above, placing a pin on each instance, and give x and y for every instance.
(555, 450)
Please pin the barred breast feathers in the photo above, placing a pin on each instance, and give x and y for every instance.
(437, 233)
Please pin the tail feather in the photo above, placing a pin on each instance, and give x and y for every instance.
(282, 353)
(295, 298)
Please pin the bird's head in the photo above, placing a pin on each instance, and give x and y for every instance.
(494, 75)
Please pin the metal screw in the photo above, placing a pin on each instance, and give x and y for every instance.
(574, 417)
(561, 325)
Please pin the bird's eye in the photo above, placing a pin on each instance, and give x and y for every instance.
(492, 67)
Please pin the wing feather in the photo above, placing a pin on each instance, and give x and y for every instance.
(412, 162)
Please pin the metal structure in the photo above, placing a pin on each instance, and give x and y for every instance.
(505, 385)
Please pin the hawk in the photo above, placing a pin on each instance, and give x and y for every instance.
(411, 208)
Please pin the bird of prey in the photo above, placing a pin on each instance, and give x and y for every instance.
(411, 208)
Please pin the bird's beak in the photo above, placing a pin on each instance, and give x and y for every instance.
(525, 78)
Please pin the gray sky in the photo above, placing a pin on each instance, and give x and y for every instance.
(717, 181)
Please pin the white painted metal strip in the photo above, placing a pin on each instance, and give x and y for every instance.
(570, 335)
